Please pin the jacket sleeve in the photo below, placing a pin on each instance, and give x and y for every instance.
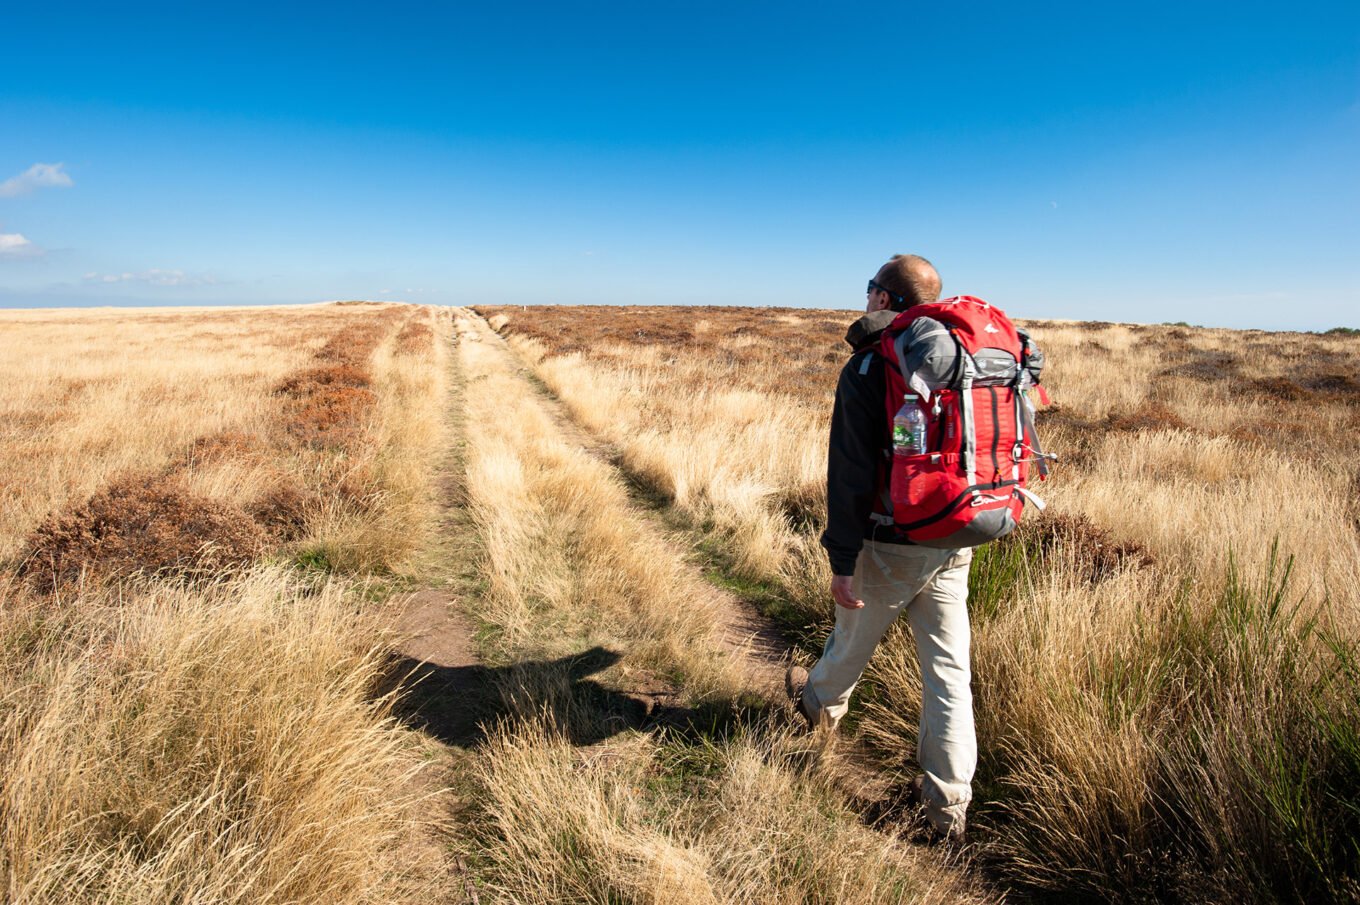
(857, 436)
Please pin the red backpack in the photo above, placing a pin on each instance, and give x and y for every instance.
(970, 369)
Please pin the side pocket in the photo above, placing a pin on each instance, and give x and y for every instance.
(923, 485)
(944, 421)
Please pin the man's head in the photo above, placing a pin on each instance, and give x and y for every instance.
(904, 281)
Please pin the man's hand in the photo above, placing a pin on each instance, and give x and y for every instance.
(843, 592)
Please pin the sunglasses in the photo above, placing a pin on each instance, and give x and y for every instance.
(897, 299)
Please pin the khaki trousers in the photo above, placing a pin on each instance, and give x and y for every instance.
(932, 587)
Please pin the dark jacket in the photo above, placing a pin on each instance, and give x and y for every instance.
(859, 450)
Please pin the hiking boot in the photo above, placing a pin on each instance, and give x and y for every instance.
(941, 826)
(951, 838)
(927, 823)
(795, 680)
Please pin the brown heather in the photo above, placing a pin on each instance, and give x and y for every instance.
(154, 523)
(144, 524)
(415, 337)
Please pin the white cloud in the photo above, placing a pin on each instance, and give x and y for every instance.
(153, 277)
(38, 176)
(17, 245)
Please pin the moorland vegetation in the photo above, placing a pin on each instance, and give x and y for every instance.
(211, 519)
(187, 664)
(1165, 662)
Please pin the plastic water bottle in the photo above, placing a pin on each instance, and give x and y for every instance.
(909, 428)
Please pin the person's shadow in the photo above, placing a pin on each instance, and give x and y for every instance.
(455, 704)
(458, 704)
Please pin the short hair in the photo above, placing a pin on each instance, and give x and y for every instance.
(911, 278)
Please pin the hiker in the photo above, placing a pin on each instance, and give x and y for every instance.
(876, 575)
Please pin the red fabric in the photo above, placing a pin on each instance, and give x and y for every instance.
(969, 317)
(934, 487)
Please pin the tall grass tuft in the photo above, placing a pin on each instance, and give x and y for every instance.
(1212, 759)
(209, 745)
(1268, 744)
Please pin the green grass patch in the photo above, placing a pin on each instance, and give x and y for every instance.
(1000, 575)
(1251, 717)
(767, 597)
(317, 558)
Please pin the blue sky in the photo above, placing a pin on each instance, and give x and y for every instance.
(1153, 162)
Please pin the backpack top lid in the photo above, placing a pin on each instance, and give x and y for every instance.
(975, 323)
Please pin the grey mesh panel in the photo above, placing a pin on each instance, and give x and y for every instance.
(986, 526)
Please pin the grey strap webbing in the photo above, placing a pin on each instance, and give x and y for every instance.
(1032, 436)
(966, 413)
(900, 347)
(969, 428)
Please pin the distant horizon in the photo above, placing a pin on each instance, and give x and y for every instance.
(1151, 164)
(1019, 316)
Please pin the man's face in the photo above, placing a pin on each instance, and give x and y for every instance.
(878, 298)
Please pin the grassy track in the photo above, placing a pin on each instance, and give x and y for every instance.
(576, 796)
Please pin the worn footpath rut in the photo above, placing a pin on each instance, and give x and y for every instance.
(753, 639)
(436, 647)
(744, 633)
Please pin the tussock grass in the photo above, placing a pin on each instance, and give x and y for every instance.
(706, 445)
(743, 818)
(164, 744)
(1160, 713)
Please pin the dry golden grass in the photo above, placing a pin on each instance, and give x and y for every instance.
(1166, 704)
(187, 704)
(91, 395)
(567, 559)
(713, 803)
(735, 820)
(182, 722)
(215, 745)
(311, 450)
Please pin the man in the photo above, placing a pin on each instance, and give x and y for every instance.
(876, 575)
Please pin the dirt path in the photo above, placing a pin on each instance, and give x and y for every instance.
(434, 658)
(744, 633)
